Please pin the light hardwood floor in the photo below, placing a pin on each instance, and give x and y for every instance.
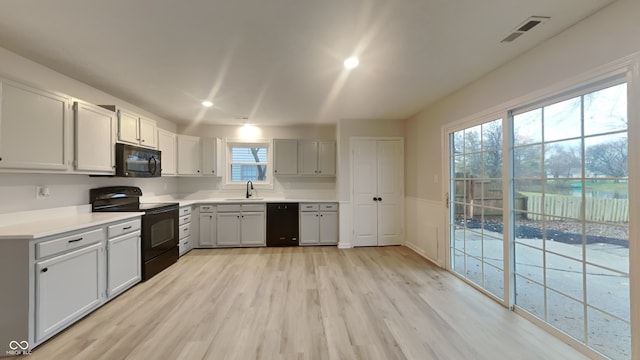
(303, 303)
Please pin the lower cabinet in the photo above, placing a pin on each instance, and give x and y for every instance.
(184, 231)
(124, 263)
(241, 225)
(67, 287)
(207, 235)
(318, 224)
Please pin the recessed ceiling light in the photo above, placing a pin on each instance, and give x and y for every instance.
(351, 62)
(207, 103)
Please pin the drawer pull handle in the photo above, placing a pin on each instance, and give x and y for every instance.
(44, 270)
(126, 228)
(185, 229)
(75, 240)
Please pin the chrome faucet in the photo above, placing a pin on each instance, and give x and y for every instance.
(249, 191)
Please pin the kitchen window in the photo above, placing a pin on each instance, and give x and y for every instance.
(248, 161)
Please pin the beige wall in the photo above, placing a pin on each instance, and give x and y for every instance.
(320, 132)
(606, 36)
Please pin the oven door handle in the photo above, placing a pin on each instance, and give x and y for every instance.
(157, 212)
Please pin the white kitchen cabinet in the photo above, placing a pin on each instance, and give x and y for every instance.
(318, 224)
(68, 287)
(207, 235)
(184, 230)
(148, 133)
(123, 257)
(189, 155)
(241, 225)
(167, 144)
(134, 129)
(211, 156)
(378, 180)
(228, 231)
(34, 128)
(317, 158)
(285, 156)
(95, 138)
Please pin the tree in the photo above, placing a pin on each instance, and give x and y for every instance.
(609, 159)
(561, 161)
(262, 176)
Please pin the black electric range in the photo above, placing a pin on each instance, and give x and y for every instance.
(159, 242)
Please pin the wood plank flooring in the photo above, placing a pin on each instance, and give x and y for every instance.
(303, 303)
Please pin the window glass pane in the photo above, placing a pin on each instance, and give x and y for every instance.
(610, 336)
(606, 156)
(527, 161)
(530, 263)
(564, 275)
(248, 172)
(493, 164)
(492, 135)
(608, 245)
(566, 314)
(530, 296)
(458, 142)
(605, 110)
(494, 280)
(563, 159)
(608, 291)
(246, 154)
(473, 165)
(472, 139)
(527, 127)
(562, 120)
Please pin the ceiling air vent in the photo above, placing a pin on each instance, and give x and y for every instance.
(525, 26)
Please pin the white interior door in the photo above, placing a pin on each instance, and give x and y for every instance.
(365, 212)
(390, 172)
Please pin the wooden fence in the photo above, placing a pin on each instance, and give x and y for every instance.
(596, 209)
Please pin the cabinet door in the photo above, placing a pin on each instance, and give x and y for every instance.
(188, 155)
(128, 129)
(309, 227)
(211, 156)
(253, 231)
(67, 287)
(94, 138)
(148, 133)
(228, 229)
(328, 227)
(33, 128)
(327, 158)
(285, 157)
(167, 146)
(207, 230)
(123, 263)
(307, 157)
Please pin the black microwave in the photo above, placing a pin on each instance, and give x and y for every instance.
(135, 161)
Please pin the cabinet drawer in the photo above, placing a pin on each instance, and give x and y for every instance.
(184, 245)
(308, 207)
(206, 208)
(329, 207)
(229, 208)
(184, 220)
(184, 231)
(74, 241)
(123, 228)
(185, 210)
(253, 207)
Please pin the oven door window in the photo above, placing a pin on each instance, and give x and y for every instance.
(162, 232)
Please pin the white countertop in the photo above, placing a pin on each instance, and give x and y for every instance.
(42, 223)
(185, 202)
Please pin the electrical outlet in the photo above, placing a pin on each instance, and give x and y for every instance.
(42, 192)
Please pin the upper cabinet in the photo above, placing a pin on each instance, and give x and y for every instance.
(211, 156)
(285, 156)
(134, 129)
(34, 128)
(189, 155)
(95, 137)
(167, 144)
(317, 157)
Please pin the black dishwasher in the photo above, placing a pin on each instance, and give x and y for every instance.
(282, 224)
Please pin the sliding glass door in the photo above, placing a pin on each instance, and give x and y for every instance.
(571, 235)
(562, 220)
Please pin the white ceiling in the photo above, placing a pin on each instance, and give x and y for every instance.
(278, 61)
